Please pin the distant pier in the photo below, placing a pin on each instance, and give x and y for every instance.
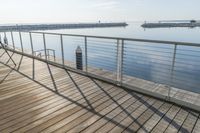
(190, 24)
(58, 26)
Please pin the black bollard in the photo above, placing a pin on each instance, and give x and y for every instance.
(79, 58)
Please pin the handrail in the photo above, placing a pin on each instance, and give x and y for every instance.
(47, 53)
(121, 38)
(44, 49)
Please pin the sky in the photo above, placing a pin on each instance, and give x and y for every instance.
(68, 11)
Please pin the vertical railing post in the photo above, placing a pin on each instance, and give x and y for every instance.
(174, 58)
(31, 41)
(48, 54)
(5, 34)
(45, 47)
(32, 50)
(20, 36)
(13, 42)
(122, 62)
(0, 38)
(86, 55)
(120, 52)
(172, 69)
(62, 50)
(117, 60)
(5, 39)
(54, 55)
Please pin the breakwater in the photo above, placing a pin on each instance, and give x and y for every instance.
(168, 25)
(58, 26)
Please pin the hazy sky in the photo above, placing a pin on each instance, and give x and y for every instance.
(52, 11)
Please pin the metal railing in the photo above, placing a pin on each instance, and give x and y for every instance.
(118, 60)
(49, 53)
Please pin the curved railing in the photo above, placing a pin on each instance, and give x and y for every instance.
(126, 62)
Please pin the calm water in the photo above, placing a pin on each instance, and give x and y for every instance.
(148, 61)
(134, 30)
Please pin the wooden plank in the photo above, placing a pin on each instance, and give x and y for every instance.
(16, 126)
(47, 94)
(69, 85)
(196, 128)
(133, 116)
(177, 122)
(54, 119)
(34, 88)
(166, 120)
(122, 115)
(122, 98)
(78, 122)
(49, 120)
(138, 123)
(151, 123)
(189, 123)
(47, 99)
(30, 86)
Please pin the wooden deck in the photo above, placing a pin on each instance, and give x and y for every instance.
(57, 100)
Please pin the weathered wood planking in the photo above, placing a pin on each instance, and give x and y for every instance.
(57, 100)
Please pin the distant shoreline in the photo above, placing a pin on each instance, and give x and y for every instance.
(59, 26)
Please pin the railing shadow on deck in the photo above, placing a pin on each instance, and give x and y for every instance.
(9, 72)
(89, 106)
